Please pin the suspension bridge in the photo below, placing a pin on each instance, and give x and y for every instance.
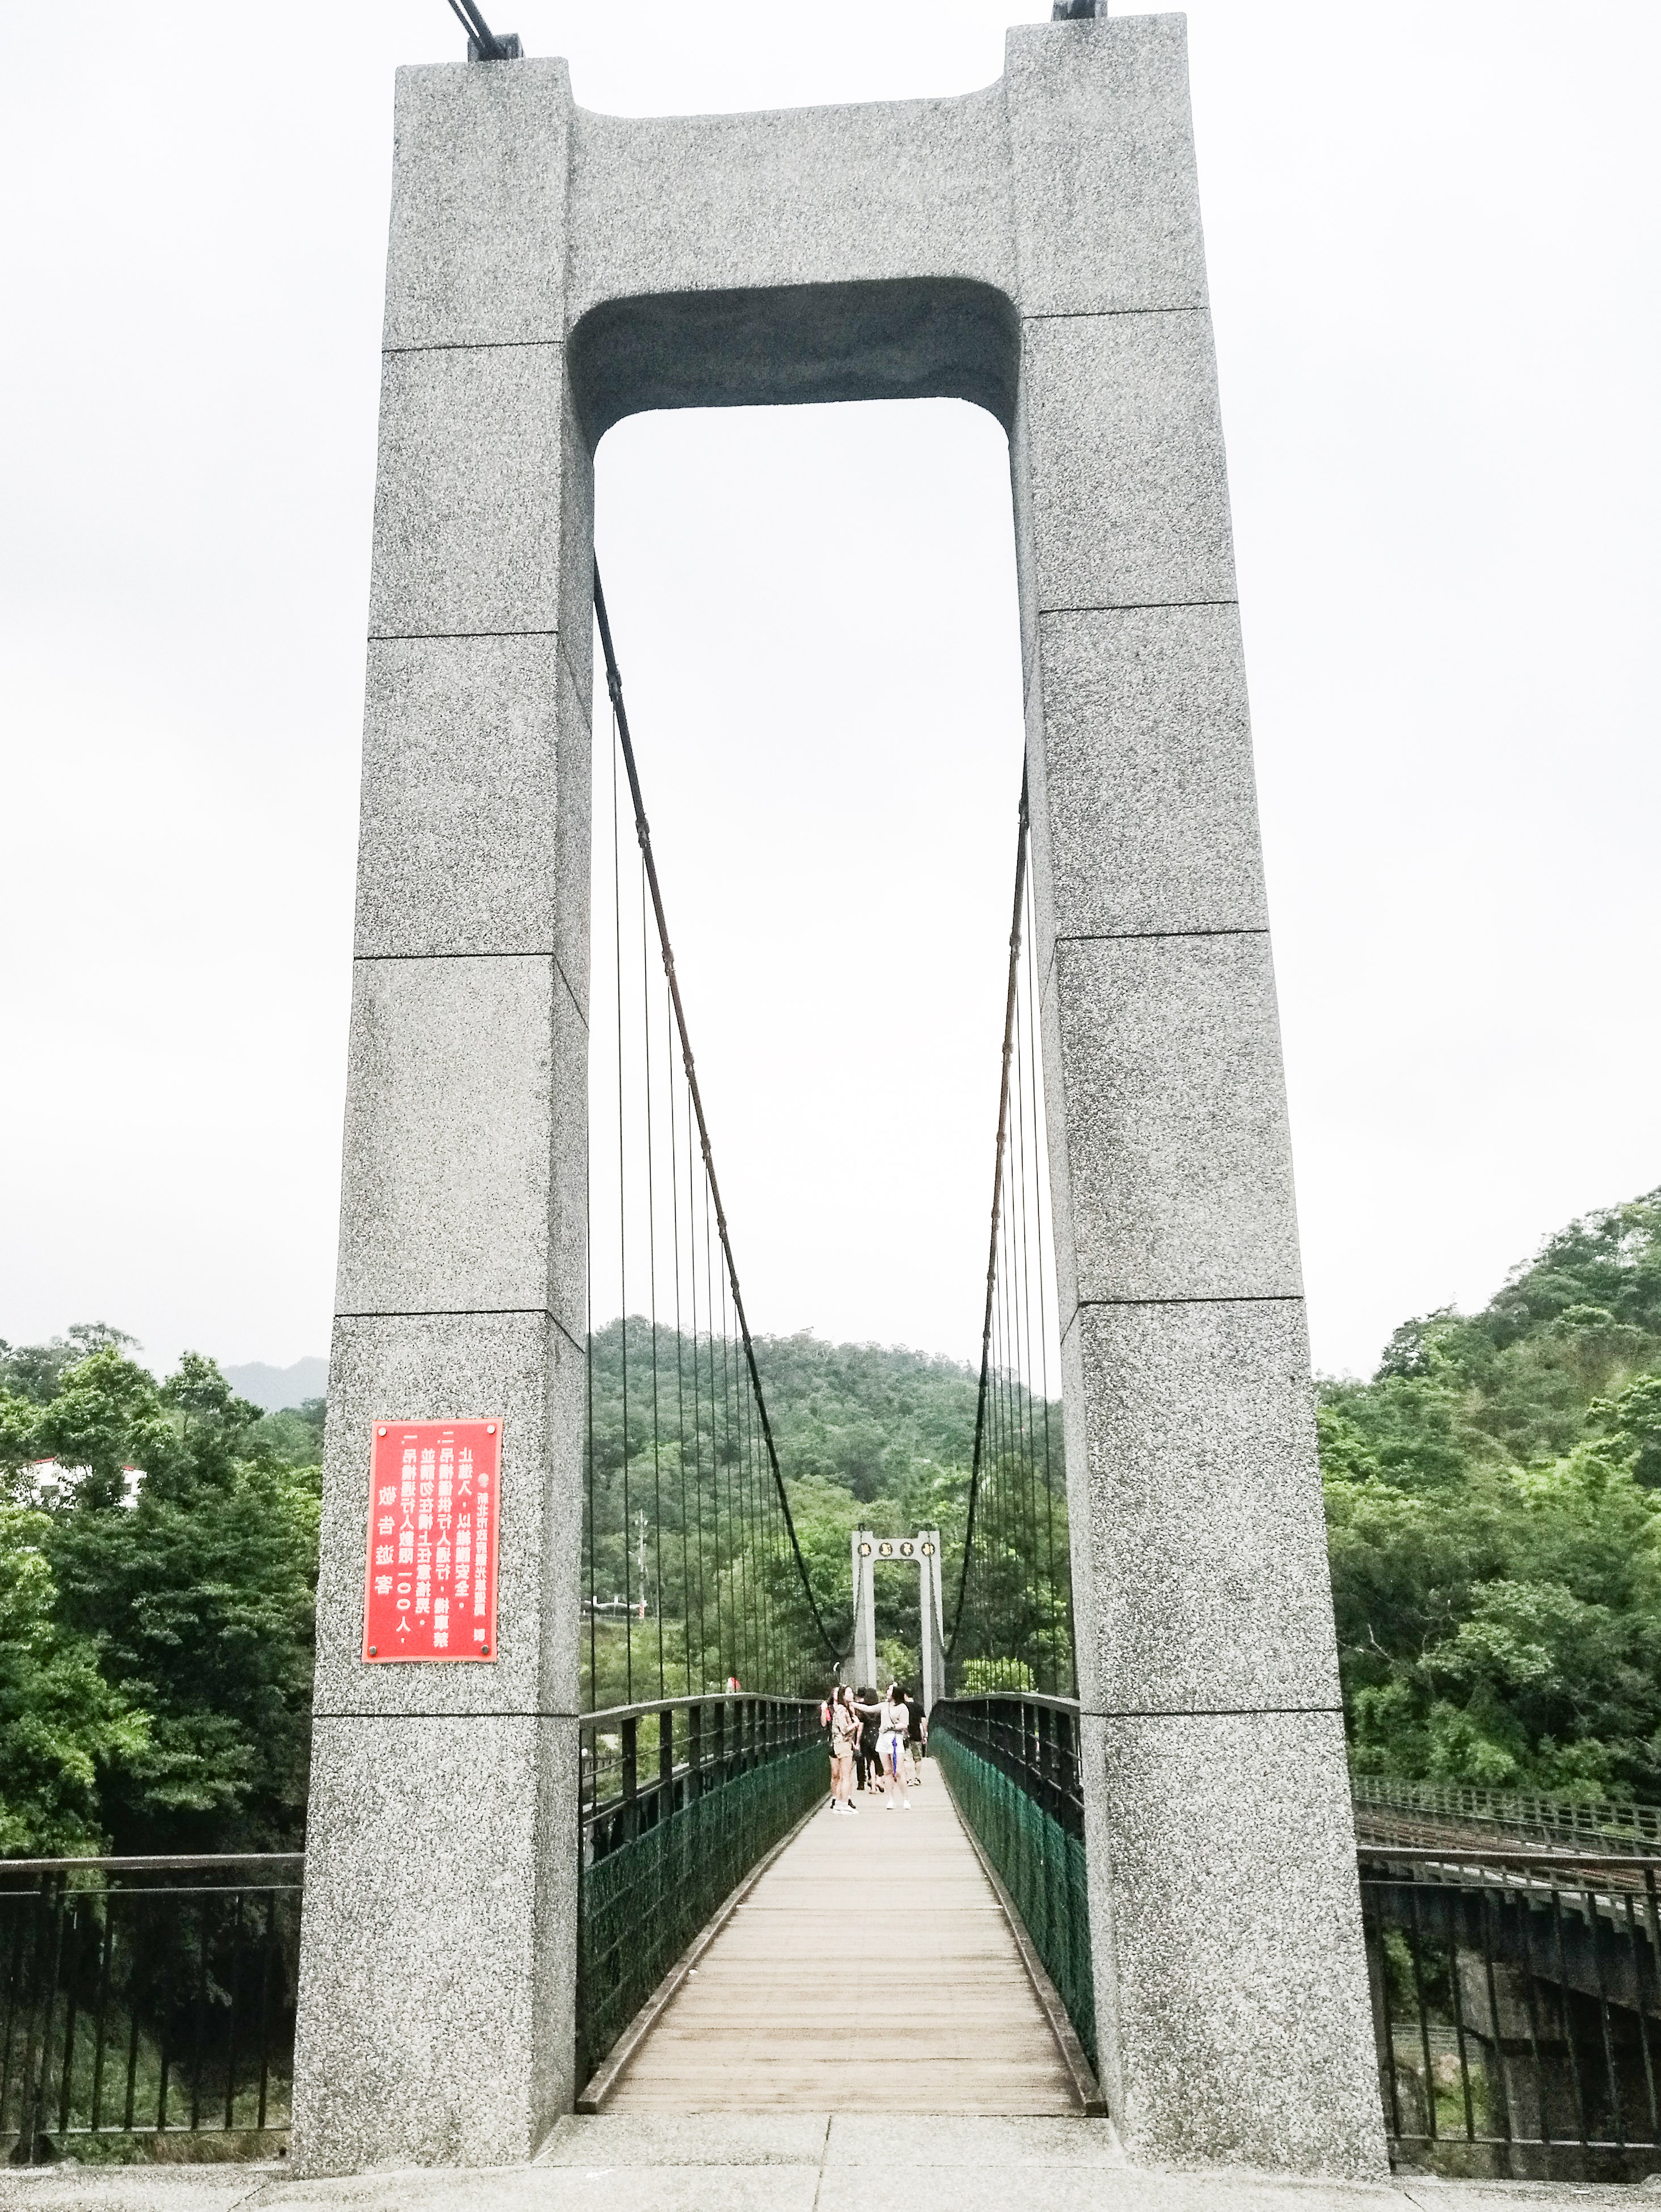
(573, 1635)
(674, 2015)
(567, 1843)
(572, 1904)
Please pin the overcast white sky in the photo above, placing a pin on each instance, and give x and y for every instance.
(1432, 237)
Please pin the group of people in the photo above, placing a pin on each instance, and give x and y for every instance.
(877, 1746)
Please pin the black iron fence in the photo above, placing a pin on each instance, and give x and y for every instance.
(679, 1800)
(1012, 1765)
(146, 1996)
(1516, 1991)
(1516, 2008)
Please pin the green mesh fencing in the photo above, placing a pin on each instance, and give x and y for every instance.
(1042, 1868)
(641, 1904)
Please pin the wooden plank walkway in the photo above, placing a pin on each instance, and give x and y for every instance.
(870, 1969)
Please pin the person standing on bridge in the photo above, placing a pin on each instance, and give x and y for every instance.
(893, 1725)
(844, 1735)
(916, 1737)
(870, 1706)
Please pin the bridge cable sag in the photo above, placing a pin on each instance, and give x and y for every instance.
(614, 688)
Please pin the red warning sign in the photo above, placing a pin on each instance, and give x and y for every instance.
(430, 1581)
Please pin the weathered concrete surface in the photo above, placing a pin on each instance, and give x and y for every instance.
(440, 1906)
(1225, 1916)
(784, 2162)
(1034, 248)
(1202, 1537)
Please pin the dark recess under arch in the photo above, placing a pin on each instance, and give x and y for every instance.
(797, 344)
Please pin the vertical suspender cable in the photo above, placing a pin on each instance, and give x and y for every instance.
(680, 1367)
(1024, 1327)
(614, 687)
(1059, 1686)
(652, 1286)
(698, 1410)
(997, 1206)
(593, 1631)
(622, 1230)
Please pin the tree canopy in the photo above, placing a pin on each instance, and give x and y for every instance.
(1494, 1511)
(155, 1658)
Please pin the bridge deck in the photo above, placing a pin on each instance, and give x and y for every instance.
(870, 1969)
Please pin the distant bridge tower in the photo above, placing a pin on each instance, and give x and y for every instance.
(1033, 248)
(922, 1551)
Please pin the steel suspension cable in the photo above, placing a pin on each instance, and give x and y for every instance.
(593, 1545)
(1024, 1315)
(698, 1410)
(1056, 1684)
(652, 1286)
(976, 1468)
(614, 687)
(623, 1240)
(680, 1362)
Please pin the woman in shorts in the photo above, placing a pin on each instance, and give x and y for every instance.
(893, 1725)
(844, 1735)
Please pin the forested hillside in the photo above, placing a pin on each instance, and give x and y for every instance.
(1493, 1503)
(867, 1435)
(1494, 1511)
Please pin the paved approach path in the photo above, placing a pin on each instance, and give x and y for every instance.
(785, 2162)
(870, 1969)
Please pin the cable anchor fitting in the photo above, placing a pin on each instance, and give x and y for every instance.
(483, 43)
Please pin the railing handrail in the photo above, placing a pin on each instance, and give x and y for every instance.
(727, 1735)
(1474, 1798)
(1480, 1855)
(709, 1698)
(166, 1863)
(1012, 1697)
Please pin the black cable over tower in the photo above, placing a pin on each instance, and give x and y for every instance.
(482, 44)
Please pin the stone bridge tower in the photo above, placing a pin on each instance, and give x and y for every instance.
(1034, 249)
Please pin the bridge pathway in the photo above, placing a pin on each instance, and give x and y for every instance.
(871, 1969)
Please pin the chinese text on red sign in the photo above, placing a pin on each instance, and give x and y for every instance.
(429, 1585)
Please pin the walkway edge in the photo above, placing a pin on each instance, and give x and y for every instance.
(1080, 2073)
(611, 2068)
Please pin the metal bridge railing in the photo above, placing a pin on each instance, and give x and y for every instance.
(1012, 1762)
(680, 1798)
(146, 1996)
(1606, 1823)
(1517, 2007)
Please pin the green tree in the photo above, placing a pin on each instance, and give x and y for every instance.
(63, 1730)
(198, 1602)
(33, 1371)
(106, 1415)
(183, 1622)
(1493, 1512)
(1632, 1421)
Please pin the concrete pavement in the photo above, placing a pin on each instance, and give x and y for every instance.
(786, 2162)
